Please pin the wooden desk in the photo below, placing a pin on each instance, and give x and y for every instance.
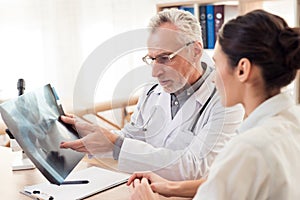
(14, 181)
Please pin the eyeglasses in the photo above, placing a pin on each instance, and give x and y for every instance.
(164, 59)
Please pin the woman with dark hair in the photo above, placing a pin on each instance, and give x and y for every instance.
(256, 55)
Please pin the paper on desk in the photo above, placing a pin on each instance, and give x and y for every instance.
(99, 180)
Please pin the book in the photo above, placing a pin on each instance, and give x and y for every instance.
(219, 18)
(210, 26)
(187, 8)
(99, 179)
(33, 120)
(202, 20)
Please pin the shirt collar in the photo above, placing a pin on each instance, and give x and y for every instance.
(268, 108)
(193, 88)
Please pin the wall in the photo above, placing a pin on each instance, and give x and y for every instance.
(48, 41)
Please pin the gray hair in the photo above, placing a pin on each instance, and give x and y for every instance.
(187, 24)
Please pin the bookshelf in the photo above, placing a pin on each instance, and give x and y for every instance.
(288, 9)
(242, 5)
(211, 15)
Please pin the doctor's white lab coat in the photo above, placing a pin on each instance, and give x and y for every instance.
(168, 146)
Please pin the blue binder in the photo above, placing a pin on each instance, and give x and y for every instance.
(210, 26)
(187, 8)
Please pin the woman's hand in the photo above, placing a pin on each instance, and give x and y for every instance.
(141, 190)
(157, 183)
(165, 187)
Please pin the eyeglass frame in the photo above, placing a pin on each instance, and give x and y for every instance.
(171, 56)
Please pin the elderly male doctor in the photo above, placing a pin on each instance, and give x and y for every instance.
(179, 125)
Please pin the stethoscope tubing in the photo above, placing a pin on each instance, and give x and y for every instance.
(143, 126)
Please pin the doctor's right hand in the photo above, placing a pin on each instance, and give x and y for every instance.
(95, 139)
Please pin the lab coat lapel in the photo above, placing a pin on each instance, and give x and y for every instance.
(164, 101)
(184, 114)
(191, 107)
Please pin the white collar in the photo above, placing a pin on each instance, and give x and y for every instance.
(268, 108)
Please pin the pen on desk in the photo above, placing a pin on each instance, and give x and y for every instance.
(26, 193)
(32, 196)
(75, 182)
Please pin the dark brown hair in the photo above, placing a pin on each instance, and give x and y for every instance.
(267, 41)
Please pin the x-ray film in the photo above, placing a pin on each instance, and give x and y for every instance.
(33, 119)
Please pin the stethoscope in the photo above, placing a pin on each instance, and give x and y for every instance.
(144, 125)
(201, 111)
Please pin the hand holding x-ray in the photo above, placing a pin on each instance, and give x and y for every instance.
(95, 139)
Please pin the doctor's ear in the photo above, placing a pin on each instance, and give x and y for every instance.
(197, 50)
(243, 69)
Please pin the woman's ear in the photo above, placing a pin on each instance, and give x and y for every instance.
(243, 69)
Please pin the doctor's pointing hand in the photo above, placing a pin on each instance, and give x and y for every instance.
(95, 139)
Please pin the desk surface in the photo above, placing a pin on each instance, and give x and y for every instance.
(14, 181)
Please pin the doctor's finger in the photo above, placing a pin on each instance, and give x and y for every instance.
(70, 115)
(76, 145)
(85, 128)
(68, 120)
